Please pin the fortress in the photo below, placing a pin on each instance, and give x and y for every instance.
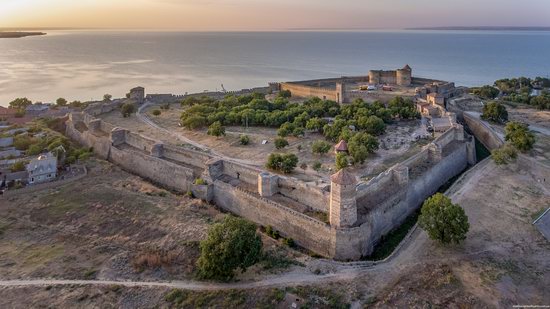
(359, 213)
(382, 86)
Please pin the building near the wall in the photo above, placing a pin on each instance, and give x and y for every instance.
(42, 169)
(342, 146)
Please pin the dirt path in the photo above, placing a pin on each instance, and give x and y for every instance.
(142, 117)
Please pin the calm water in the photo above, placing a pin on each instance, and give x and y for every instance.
(85, 65)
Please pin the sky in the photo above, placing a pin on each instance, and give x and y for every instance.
(220, 15)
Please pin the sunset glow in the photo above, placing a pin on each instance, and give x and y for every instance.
(269, 15)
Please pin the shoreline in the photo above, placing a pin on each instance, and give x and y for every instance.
(18, 34)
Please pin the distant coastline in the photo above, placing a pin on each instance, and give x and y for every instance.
(18, 34)
(483, 28)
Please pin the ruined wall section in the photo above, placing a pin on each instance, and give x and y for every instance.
(168, 174)
(482, 131)
(305, 231)
(187, 156)
(307, 194)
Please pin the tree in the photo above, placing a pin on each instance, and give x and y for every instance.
(127, 109)
(317, 166)
(286, 129)
(244, 140)
(284, 94)
(442, 220)
(519, 136)
(61, 102)
(486, 92)
(156, 112)
(216, 129)
(341, 161)
(230, 245)
(194, 122)
(315, 124)
(282, 162)
(320, 147)
(280, 143)
(361, 145)
(107, 97)
(504, 155)
(494, 111)
(20, 103)
(373, 125)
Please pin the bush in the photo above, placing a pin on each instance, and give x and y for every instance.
(280, 143)
(200, 182)
(271, 232)
(230, 245)
(341, 161)
(61, 102)
(286, 129)
(320, 147)
(282, 162)
(194, 122)
(317, 166)
(127, 109)
(244, 140)
(216, 129)
(442, 220)
(284, 94)
(18, 166)
(504, 155)
(361, 145)
(156, 112)
(289, 242)
(494, 111)
(303, 166)
(519, 136)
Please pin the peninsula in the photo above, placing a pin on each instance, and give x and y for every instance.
(18, 34)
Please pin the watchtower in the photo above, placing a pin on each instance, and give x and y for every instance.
(404, 76)
(343, 204)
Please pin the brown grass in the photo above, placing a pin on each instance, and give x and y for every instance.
(153, 259)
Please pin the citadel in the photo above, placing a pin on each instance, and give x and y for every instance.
(359, 212)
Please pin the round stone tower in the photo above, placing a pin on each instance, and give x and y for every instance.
(343, 204)
(374, 77)
(404, 76)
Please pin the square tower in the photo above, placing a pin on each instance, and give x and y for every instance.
(343, 204)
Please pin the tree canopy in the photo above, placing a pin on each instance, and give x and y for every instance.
(519, 135)
(216, 129)
(320, 147)
(20, 103)
(282, 162)
(341, 161)
(230, 245)
(494, 111)
(486, 92)
(127, 109)
(442, 220)
(280, 143)
(361, 145)
(61, 102)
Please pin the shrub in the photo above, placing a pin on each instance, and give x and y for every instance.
(244, 140)
(61, 102)
(504, 155)
(284, 94)
(341, 161)
(194, 122)
(156, 112)
(230, 245)
(18, 166)
(282, 162)
(317, 166)
(442, 220)
(286, 129)
(303, 166)
(216, 129)
(486, 92)
(127, 109)
(289, 242)
(272, 232)
(280, 143)
(320, 147)
(200, 182)
(494, 111)
(519, 136)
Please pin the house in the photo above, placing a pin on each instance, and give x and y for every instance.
(43, 168)
(6, 113)
(426, 109)
(436, 99)
(342, 146)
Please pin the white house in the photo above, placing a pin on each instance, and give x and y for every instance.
(42, 169)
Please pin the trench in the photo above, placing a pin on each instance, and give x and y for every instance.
(387, 244)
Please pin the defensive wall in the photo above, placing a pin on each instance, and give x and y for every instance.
(482, 131)
(374, 207)
(173, 98)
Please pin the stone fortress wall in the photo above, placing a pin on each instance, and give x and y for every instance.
(365, 211)
(339, 89)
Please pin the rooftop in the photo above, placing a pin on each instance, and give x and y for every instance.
(343, 177)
